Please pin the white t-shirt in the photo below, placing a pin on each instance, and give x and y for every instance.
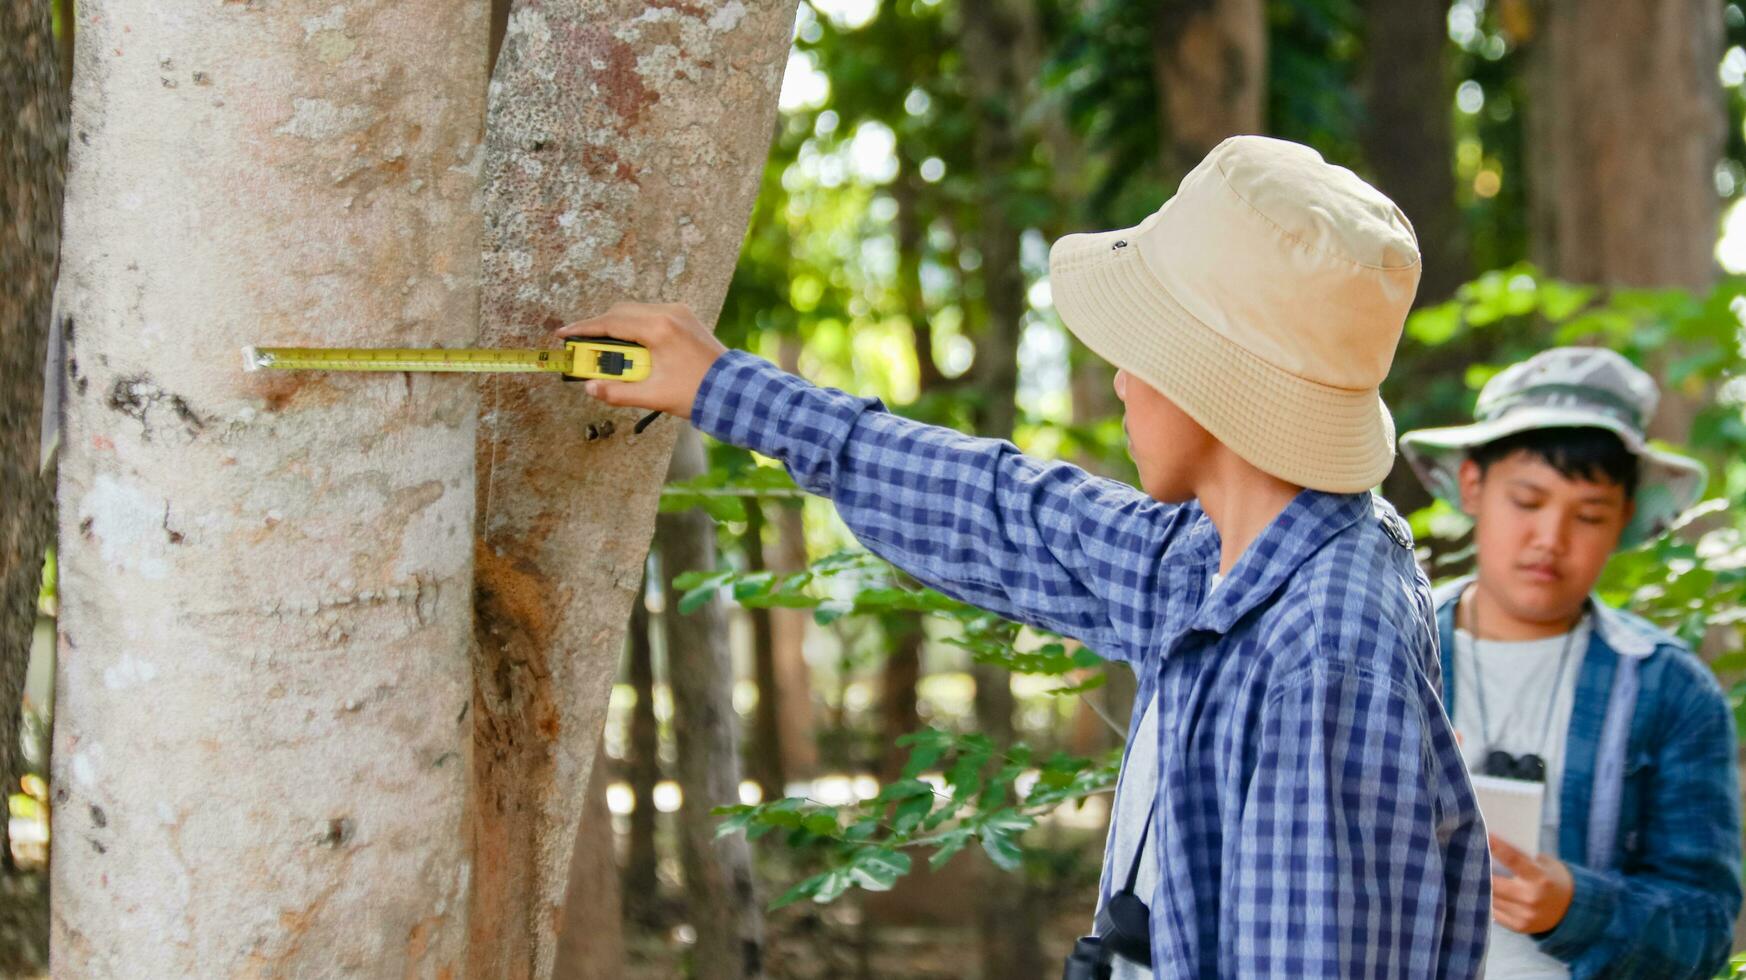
(1527, 701)
(1135, 792)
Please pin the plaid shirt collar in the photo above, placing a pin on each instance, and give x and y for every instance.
(1308, 522)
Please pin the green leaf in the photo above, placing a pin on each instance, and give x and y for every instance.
(696, 599)
(946, 845)
(831, 610)
(911, 812)
(755, 584)
(1435, 325)
(1003, 851)
(1091, 683)
(878, 868)
(822, 822)
(999, 832)
(739, 817)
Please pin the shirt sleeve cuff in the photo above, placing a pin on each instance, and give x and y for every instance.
(1592, 904)
(747, 401)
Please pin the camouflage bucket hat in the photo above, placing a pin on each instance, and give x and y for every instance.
(1567, 387)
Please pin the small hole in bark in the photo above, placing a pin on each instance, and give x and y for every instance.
(339, 831)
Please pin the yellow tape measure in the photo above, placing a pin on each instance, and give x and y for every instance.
(580, 358)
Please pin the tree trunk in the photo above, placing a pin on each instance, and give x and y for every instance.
(1094, 400)
(1407, 134)
(788, 626)
(721, 899)
(899, 714)
(907, 192)
(1008, 924)
(624, 148)
(643, 770)
(793, 675)
(1210, 65)
(1409, 144)
(261, 744)
(33, 114)
(990, 34)
(1626, 196)
(591, 942)
(766, 767)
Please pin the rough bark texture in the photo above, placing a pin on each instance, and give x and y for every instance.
(720, 892)
(625, 144)
(1626, 197)
(261, 740)
(591, 943)
(1407, 135)
(1210, 63)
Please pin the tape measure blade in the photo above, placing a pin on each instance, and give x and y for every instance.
(435, 359)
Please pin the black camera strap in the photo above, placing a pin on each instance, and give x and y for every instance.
(1124, 924)
(1140, 851)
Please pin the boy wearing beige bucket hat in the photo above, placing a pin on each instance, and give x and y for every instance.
(1293, 801)
(1622, 733)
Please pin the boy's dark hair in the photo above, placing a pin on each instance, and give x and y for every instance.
(1585, 453)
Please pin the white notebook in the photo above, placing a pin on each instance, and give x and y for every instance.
(1512, 809)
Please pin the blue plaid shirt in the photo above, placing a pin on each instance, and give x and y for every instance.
(1314, 817)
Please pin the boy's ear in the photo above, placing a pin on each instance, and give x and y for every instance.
(1471, 478)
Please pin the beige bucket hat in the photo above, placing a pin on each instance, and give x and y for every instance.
(1265, 300)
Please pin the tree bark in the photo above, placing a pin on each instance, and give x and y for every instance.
(788, 632)
(1408, 142)
(899, 712)
(990, 35)
(33, 114)
(789, 626)
(720, 891)
(261, 745)
(1407, 132)
(643, 770)
(1210, 66)
(624, 148)
(591, 942)
(766, 767)
(1626, 196)
(1008, 924)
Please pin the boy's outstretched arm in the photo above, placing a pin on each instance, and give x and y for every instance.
(1041, 542)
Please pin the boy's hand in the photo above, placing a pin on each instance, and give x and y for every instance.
(1536, 899)
(680, 352)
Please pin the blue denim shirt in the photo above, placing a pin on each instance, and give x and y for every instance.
(1657, 897)
(1314, 816)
